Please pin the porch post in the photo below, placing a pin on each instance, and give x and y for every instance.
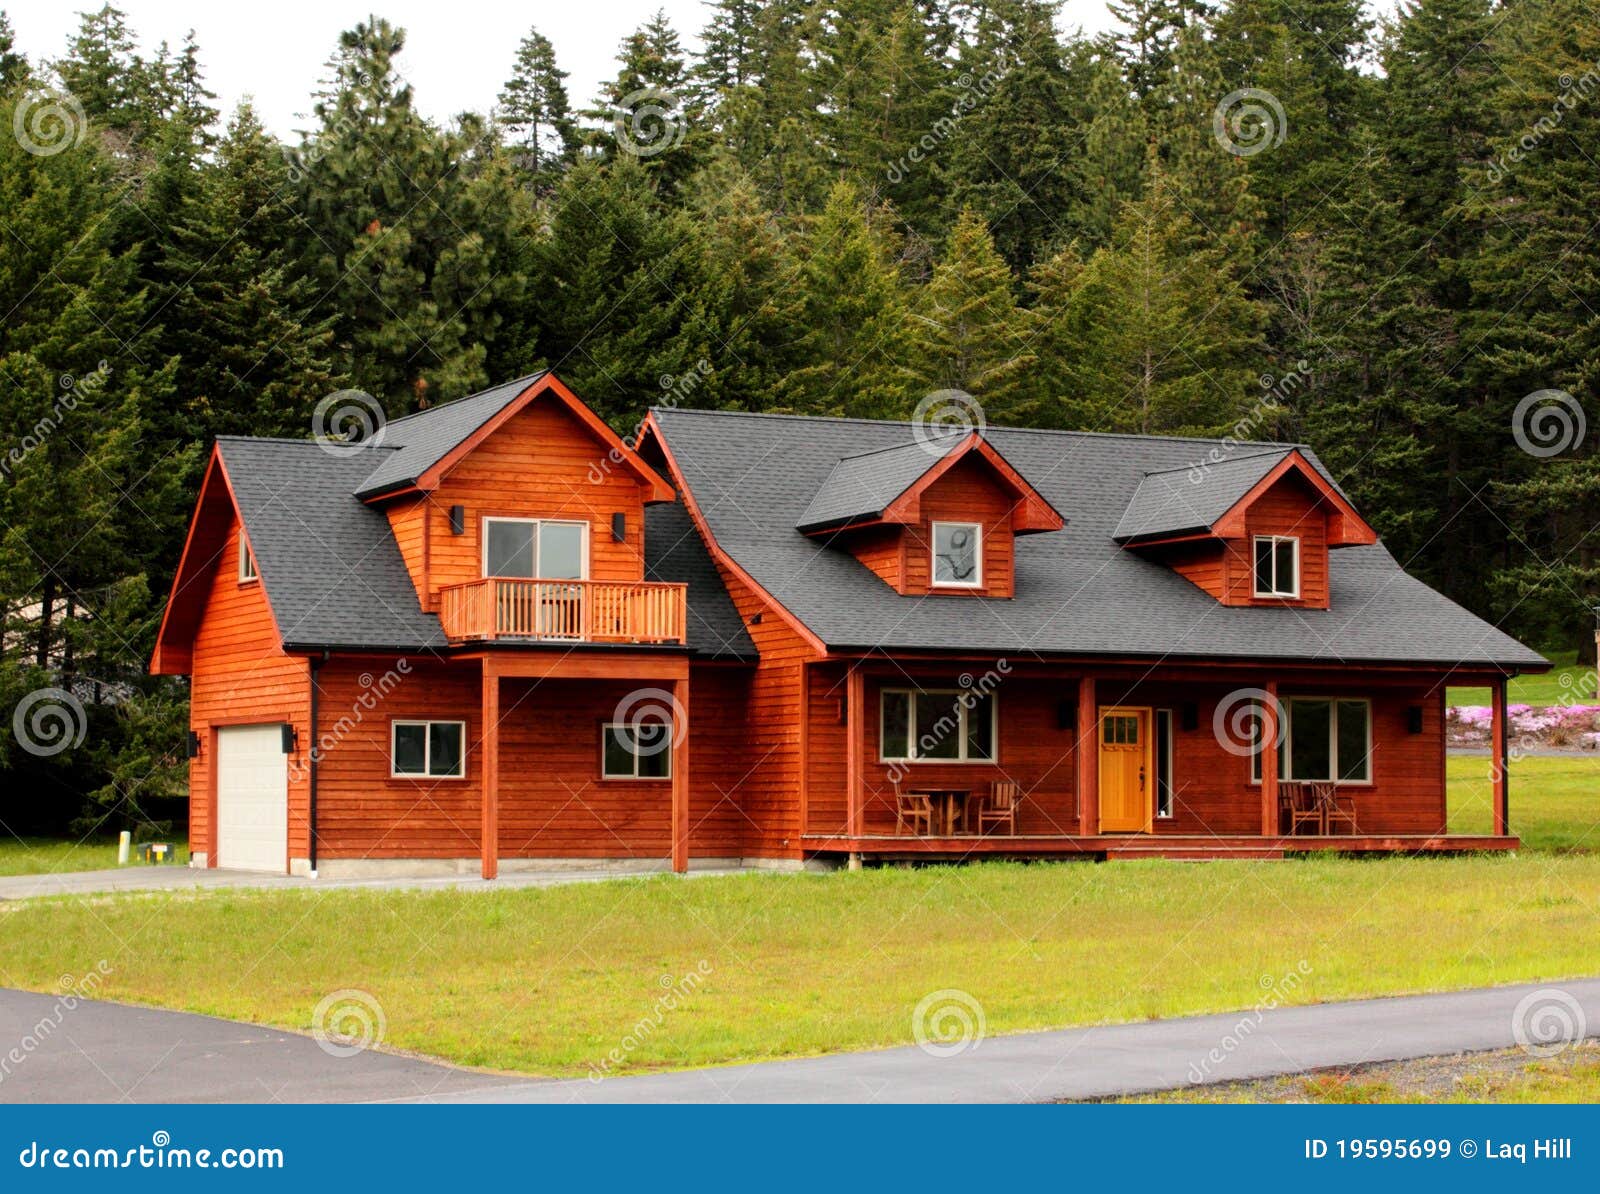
(489, 762)
(1269, 761)
(680, 775)
(1088, 758)
(855, 700)
(1501, 772)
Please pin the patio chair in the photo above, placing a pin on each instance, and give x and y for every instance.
(914, 809)
(1000, 806)
(1335, 808)
(1290, 797)
(1306, 809)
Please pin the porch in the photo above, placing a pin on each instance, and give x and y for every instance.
(1137, 762)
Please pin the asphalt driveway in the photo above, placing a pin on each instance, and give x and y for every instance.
(111, 1052)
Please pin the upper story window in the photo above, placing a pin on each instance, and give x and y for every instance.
(1277, 566)
(958, 554)
(247, 560)
(529, 548)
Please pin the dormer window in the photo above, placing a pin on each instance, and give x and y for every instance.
(958, 554)
(247, 560)
(533, 548)
(1277, 566)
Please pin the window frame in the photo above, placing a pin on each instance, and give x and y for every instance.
(1286, 745)
(538, 548)
(249, 572)
(1162, 752)
(427, 748)
(606, 727)
(933, 556)
(962, 731)
(1275, 594)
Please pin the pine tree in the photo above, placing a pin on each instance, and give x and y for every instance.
(645, 113)
(534, 108)
(122, 93)
(13, 66)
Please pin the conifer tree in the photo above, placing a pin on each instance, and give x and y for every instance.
(13, 66)
(535, 110)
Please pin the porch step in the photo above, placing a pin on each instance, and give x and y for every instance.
(1193, 853)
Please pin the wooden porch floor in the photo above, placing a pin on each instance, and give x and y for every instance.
(1138, 845)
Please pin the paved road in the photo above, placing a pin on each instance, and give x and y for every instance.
(105, 1051)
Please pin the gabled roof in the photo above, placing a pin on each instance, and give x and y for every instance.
(1210, 497)
(1078, 592)
(415, 451)
(884, 483)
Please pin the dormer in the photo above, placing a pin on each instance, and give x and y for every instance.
(1252, 531)
(935, 515)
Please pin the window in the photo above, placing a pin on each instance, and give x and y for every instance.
(958, 554)
(1323, 738)
(247, 559)
(1277, 566)
(427, 748)
(636, 751)
(954, 725)
(529, 548)
(1163, 762)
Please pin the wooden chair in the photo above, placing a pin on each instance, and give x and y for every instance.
(1288, 799)
(1000, 806)
(1335, 809)
(1306, 809)
(914, 809)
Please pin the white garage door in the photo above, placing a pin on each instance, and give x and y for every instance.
(252, 799)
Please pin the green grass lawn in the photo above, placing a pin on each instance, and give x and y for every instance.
(42, 856)
(1567, 683)
(552, 981)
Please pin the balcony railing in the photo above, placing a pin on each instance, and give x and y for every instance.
(584, 611)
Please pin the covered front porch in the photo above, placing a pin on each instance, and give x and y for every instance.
(1131, 761)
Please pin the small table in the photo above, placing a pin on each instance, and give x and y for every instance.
(949, 805)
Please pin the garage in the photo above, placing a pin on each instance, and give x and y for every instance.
(252, 799)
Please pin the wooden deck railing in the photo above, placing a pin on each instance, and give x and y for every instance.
(590, 611)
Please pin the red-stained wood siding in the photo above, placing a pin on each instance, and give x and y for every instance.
(881, 549)
(241, 676)
(720, 757)
(543, 463)
(1204, 564)
(1288, 508)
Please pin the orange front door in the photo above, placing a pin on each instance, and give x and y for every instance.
(1126, 778)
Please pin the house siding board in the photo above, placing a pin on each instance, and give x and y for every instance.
(1288, 508)
(967, 493)
(241, 676)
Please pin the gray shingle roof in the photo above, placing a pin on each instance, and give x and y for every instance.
(1077, 591)
(863, 485)
(334, 576)
(1172, 501)
(421, 440)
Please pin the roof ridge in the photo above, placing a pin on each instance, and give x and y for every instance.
(290, 439)
(1276, 450)
(527, 377)
(913, 442)
(988, 427)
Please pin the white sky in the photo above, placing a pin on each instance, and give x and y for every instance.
(457, 53)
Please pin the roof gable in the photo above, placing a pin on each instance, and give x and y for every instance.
(885, 485)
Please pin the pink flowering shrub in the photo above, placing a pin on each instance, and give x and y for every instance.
(1552, 725)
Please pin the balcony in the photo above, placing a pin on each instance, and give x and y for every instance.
(570, 611)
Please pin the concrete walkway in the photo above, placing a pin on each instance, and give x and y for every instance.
(107, 1051)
